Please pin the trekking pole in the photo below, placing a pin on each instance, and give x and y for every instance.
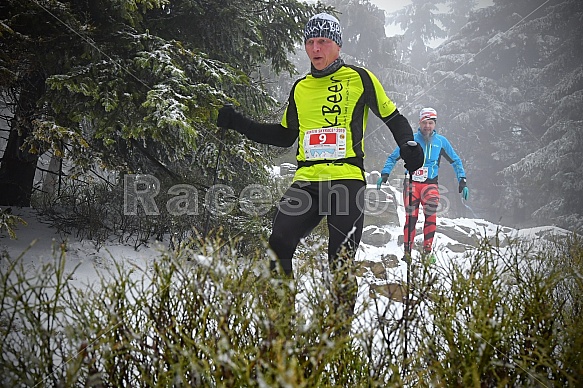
(223, 131)
(409, 213)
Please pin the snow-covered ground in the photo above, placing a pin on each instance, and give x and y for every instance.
(384, 272)
(37, 243)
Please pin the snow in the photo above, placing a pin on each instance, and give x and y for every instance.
(37, 242)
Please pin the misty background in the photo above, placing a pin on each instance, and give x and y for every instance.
(506, 79)
(93, 91)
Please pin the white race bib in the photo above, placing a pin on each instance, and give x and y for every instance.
(421, 174)
(325, 143)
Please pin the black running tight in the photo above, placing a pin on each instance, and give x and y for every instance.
(303, 206)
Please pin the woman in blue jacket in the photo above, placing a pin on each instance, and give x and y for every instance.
(425, 190)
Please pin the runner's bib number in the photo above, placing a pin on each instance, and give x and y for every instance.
(325, 143)
(421, 174)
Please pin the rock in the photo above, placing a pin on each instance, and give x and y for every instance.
(390, 260)
(380, 207)
(375, 236)
(393, 291)
(287, 169)
(457, 248)
(378, 270)
(418, 232)
(464, 236)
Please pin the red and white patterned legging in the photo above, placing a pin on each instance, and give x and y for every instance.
(426, 194)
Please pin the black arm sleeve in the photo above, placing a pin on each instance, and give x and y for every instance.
(272, 134)
(399, 126)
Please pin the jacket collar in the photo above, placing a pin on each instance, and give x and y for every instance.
(331, 68)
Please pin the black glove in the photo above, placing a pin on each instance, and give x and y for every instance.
(228, 117)
(413, 157)
(382, 179)
(463, 183)
(463, 189)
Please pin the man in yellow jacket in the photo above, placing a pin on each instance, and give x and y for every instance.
(327, 111)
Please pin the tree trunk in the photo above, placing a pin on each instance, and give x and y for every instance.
(51, 183)
(18, 166)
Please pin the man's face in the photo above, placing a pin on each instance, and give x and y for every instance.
(427, 127)
(322, 52)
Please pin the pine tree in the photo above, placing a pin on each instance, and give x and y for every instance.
(548, 174)
(510, 81)
(421, 23)
(457, 15)
(125, 83)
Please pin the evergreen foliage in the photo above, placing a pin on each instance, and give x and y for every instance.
(134, 86)
(9, 222)
(457, 15)
(419, 21)
(509, 83)
(211, 317)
